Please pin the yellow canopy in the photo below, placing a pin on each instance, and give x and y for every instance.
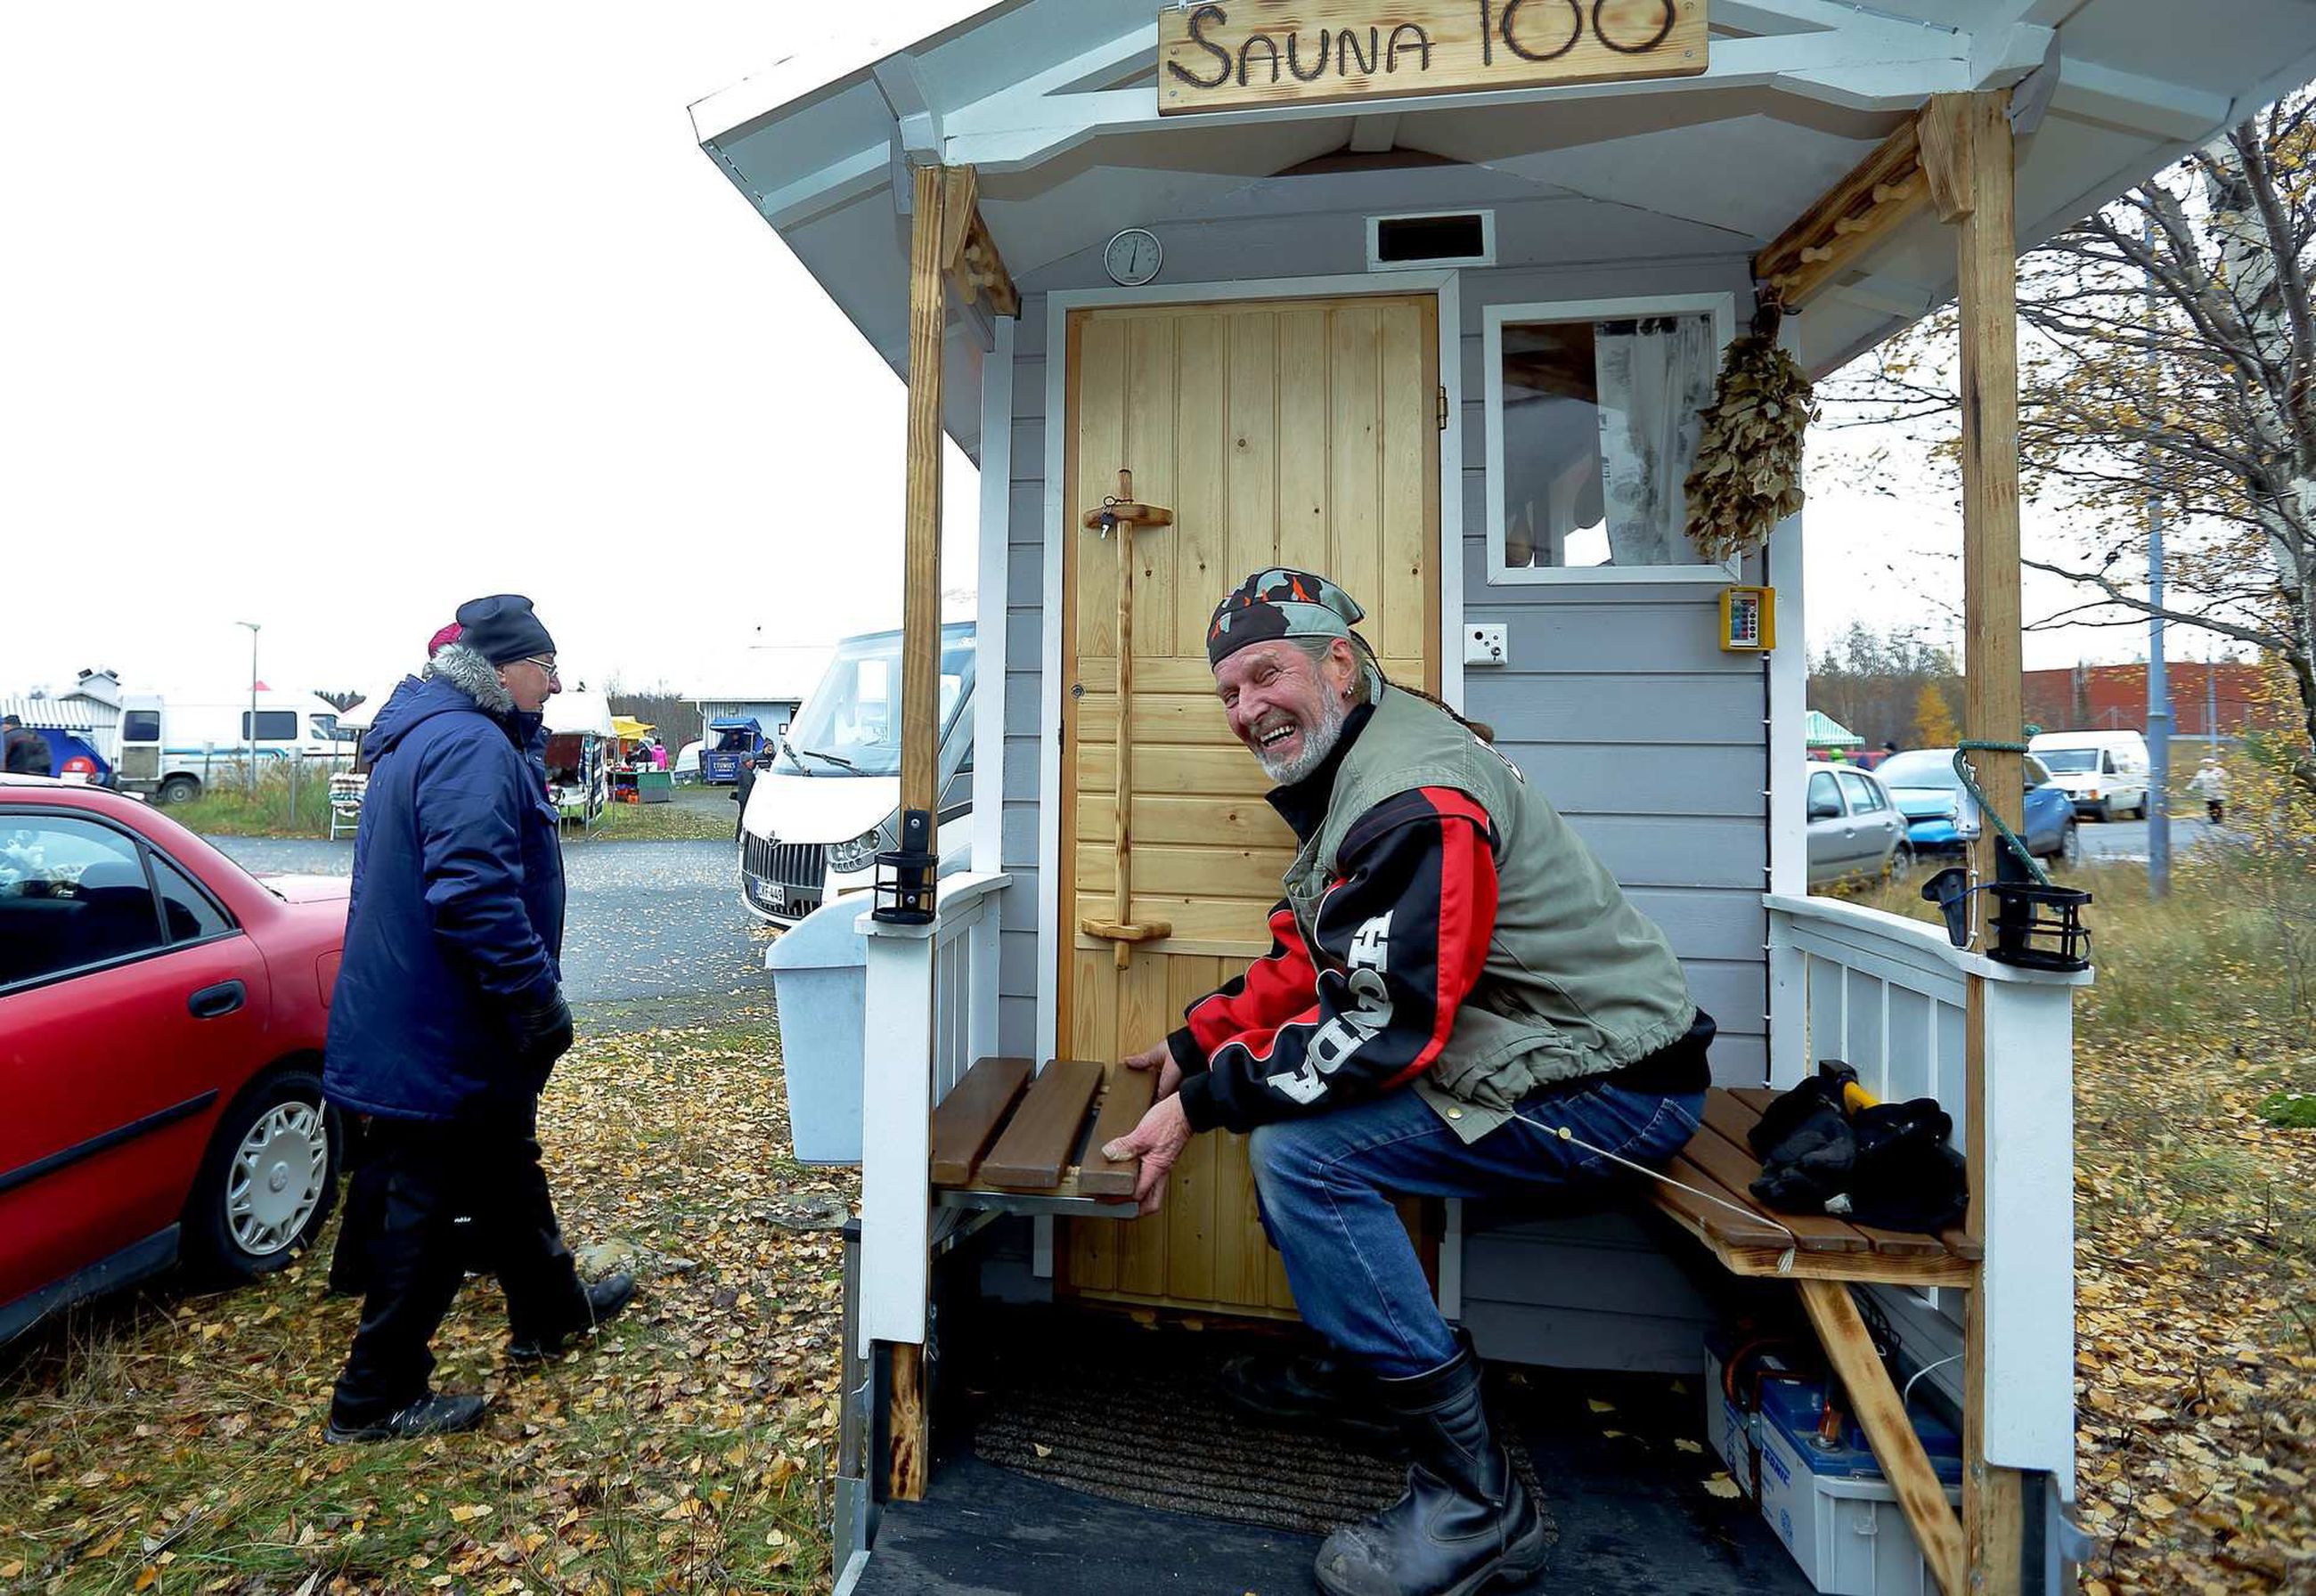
(627, 728)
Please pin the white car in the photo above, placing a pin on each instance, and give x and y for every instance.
(1856, 832)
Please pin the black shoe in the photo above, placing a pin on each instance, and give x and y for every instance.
(1307, 1387)
(1467, 1520)
(606, 1299)
(438, 1413)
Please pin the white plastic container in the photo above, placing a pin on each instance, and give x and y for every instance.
(1831, 1507)
(820, 981)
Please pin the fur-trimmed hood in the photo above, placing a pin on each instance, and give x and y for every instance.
(457, 678)
(467, 670)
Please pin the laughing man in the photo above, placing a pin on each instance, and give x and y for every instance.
(1454, 981)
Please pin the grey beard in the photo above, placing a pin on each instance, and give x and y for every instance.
(1318, 742)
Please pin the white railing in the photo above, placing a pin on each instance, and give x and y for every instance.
(932, 1000)
(1891, 996)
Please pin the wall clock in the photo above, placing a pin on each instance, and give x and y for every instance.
(1133, 257)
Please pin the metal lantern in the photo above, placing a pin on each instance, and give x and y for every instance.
(906, 875)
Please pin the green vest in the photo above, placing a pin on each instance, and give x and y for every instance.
(1577, 982)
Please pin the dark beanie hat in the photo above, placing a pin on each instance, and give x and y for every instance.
(501, 629)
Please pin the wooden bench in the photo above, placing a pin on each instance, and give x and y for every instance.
(1823, 1257)
(1007, 1137)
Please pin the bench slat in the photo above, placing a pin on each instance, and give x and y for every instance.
(1721, 1225)
(966, 1121)
(1126, 1096)
(1731, 1115)
(1036, 1146)
(1736, 1170)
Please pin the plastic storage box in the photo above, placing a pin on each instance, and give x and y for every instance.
(1830, 1505)
(820, 980)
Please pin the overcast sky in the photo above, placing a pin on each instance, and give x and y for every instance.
(327, 317)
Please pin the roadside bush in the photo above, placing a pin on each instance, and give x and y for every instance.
(279, 806)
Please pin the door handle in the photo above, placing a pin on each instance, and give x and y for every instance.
(211, 1002)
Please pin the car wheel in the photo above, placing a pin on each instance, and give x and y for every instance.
(269, 1180)
(180, 790)
(1901, 867)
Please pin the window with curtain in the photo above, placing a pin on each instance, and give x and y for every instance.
(1600, 421)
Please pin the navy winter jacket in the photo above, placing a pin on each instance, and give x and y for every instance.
(456, 922)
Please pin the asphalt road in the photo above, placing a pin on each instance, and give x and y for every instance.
(646, 920)
(2125, 841)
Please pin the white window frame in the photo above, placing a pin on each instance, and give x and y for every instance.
(1722, 308)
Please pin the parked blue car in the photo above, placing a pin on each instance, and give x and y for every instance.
(1941, 819)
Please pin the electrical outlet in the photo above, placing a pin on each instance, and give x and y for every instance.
(1484, 643)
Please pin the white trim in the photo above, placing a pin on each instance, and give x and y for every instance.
(1785, 737)
(1059, 303)
(1050, 680)
(988, 641)
(1451, 489)
(1721, 306)
(1486, 257)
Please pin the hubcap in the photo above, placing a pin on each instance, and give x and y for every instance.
(278, 1177)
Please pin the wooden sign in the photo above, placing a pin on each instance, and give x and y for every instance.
(1222, 53)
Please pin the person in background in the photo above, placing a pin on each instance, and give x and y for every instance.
(744, 784)
(27, 750)
(659, 755)
(2210, 783)
(447, 1019)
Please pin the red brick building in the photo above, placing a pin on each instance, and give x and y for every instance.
(2114, 697)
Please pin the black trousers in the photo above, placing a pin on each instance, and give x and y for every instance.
(418, 1178)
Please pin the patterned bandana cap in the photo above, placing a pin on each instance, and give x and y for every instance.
(1280, 603)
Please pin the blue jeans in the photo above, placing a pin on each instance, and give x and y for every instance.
(1325, 1186)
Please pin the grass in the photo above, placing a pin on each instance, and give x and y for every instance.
(2196, 1223)
(694, 815)
(173, 1442)
(229, 807)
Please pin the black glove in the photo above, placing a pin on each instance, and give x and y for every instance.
(542, 1033)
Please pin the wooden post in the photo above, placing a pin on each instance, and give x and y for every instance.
(907, 1414)
(921, 560)
(1969, 159)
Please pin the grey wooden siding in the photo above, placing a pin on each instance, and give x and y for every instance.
(1616, 700)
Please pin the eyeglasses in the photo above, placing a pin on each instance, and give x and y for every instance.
(546, 665)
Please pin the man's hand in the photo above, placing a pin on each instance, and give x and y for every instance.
(1158, 1140)
(1162, 1059)
(543, 1034)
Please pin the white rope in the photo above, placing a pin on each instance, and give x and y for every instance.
(1907, 1396)
(1785, 1258)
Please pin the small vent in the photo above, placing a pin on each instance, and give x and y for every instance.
(1447, 238)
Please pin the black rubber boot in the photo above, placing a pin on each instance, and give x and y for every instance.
(1467, 1520)
(438, 1413)
(606, 1299)
(1309, 1385)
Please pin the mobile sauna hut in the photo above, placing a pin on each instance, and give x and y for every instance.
(1427, 297)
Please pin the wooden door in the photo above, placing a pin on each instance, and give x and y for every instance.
(1296, 433)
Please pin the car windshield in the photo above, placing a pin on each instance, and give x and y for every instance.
(851, 725)
(1921, 767)
(2070, 761)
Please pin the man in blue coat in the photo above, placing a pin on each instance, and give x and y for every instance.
(449, 1016)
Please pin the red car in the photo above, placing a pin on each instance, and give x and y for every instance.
(162, 1014)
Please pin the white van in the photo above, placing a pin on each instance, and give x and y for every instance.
(2104, 772)
(171, 749)
(829, 800)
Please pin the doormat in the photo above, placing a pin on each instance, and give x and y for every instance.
(1141, 1419)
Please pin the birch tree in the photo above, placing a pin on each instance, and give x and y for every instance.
(2169, 352)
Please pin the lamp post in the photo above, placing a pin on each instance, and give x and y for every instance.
(253, 627)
